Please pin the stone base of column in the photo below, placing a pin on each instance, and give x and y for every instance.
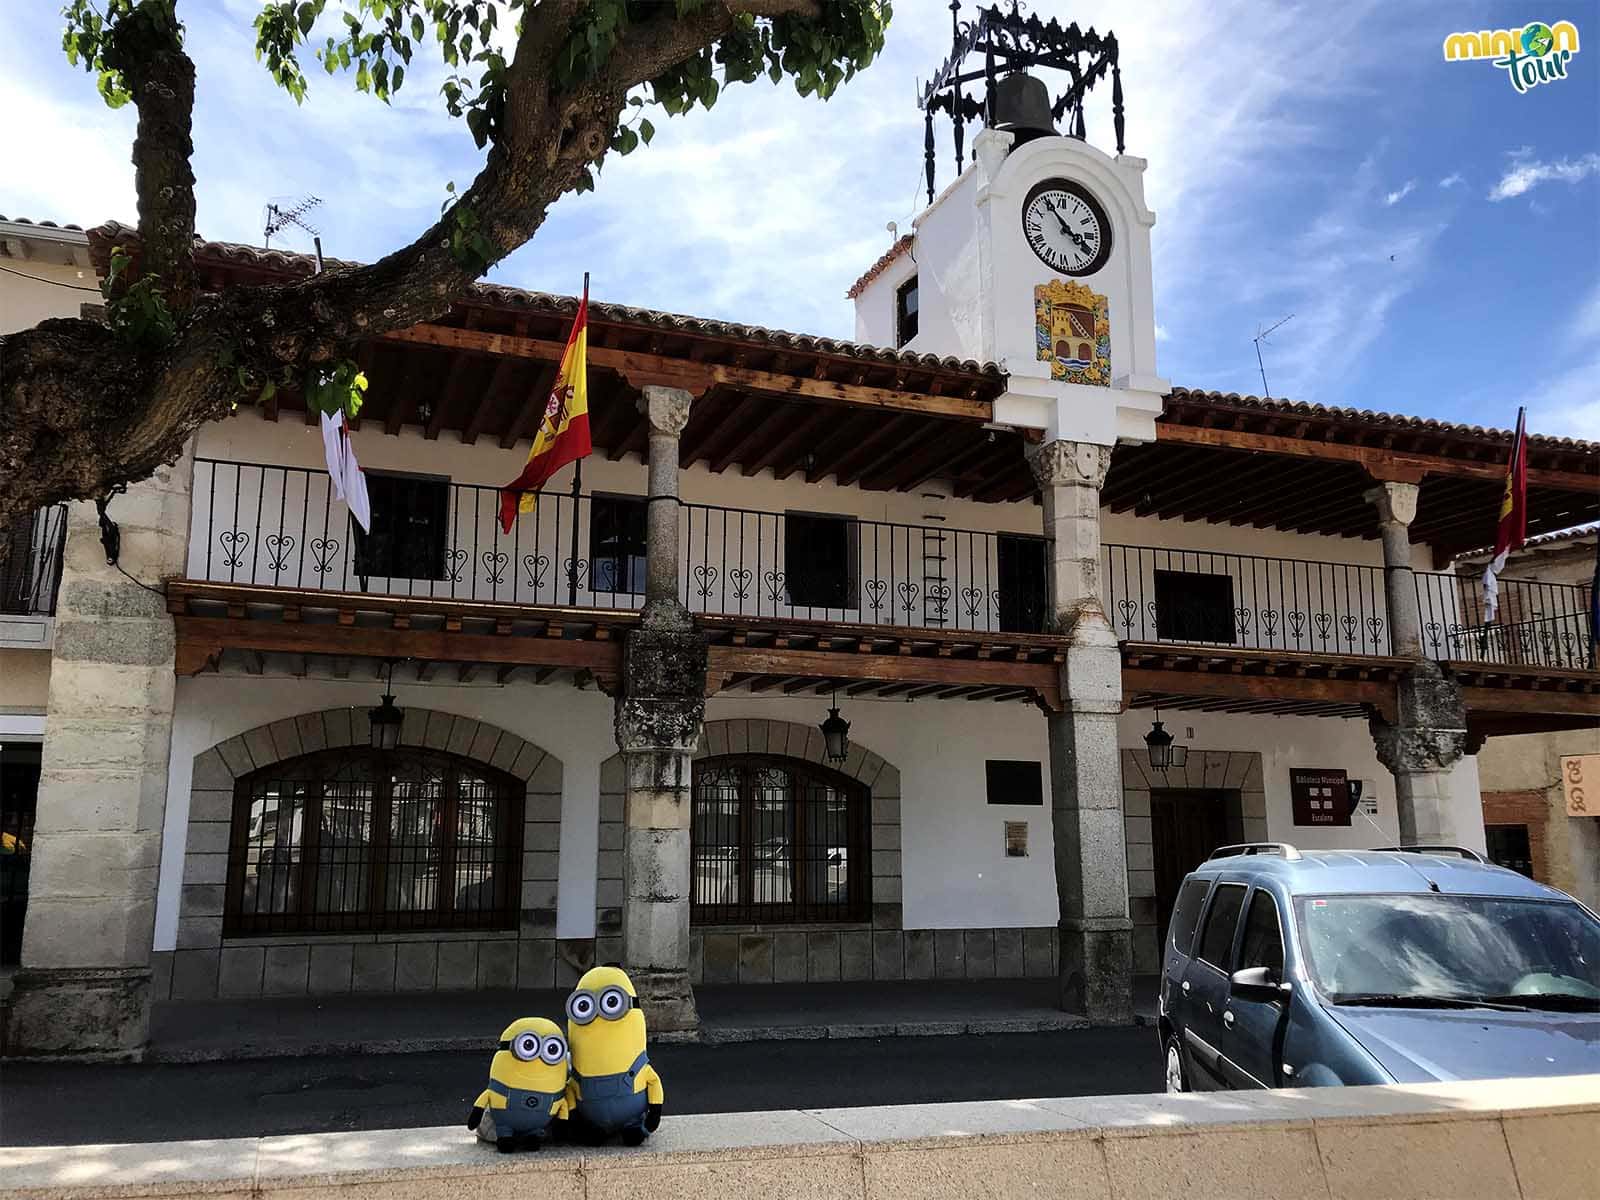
(1096, 970)
(94, 1014)
(668, 999)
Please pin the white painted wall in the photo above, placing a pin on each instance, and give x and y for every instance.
(976, 280)
(954, 870)
(51, 292)
(574, 726)
(1311, 742)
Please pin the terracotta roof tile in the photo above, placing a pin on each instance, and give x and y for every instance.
(505, 296)
(879, 267)
(40, 224)
(1374, 419)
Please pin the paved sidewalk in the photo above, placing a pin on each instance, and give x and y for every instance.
(409, 1023)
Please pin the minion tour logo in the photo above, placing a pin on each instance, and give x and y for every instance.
(1537, 53)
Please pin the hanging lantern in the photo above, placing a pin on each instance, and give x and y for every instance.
(1163, 754)
(836, 734)
(386, 718)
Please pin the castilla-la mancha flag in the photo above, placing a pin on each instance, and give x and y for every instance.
(1512, 531)
(563, 434)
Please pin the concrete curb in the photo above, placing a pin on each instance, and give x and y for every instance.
(713, 1035)
(1503, 1139)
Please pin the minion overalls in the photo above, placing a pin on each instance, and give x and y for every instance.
(609, 1103)
(526, 1113)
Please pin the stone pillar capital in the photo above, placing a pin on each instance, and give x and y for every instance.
(1069, 464)
(1404, 750)
(666, 408)
(1394, 501)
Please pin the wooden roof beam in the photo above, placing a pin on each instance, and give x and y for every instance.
(791, 445)
(677, 372)
(1380, 463)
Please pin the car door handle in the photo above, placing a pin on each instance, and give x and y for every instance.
(1227, 1019)
(1185, 985)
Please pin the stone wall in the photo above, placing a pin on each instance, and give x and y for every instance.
(1235, 773)
(207, 965)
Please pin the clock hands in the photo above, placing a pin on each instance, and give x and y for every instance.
(1078, 239)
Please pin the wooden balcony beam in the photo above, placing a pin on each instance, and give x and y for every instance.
(698, 376)
(1380, 463)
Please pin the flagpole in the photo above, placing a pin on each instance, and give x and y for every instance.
(577, 492)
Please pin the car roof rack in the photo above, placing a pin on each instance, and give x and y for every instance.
(1434, 848)
(1283, 848)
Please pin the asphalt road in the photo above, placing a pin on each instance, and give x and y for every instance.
(51, 1104)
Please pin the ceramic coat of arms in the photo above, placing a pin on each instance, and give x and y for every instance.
(1073, 332)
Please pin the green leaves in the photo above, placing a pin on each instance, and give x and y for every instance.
(338, 388)
(136, 312)
(470, 247)
(107, 45)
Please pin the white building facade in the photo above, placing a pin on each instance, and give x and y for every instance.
(988, 533)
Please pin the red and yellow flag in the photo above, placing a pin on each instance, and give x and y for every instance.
(563, 434)
(1512, 530)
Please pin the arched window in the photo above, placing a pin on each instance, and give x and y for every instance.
(349, 840)
(778, 839)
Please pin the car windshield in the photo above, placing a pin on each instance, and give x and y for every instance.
(1415, 948)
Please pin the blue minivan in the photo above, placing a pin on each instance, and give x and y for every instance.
(1290, 968)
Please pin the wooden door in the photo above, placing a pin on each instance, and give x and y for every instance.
(1186, 826)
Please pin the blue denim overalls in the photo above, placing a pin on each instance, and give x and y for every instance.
(524, 1113)
(609, 1102)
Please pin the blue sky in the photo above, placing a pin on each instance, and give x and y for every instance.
(1435, 234)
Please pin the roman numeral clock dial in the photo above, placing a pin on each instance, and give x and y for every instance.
(1066, 227)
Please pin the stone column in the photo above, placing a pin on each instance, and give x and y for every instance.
(84, 982)
(1397, 508)
(659, 716)
(1419, 748)
(1096, 959)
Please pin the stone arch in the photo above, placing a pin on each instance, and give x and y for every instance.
(789, 739)
(206, 965)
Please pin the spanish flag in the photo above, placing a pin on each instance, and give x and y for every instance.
(1512, 530)
(563, 434)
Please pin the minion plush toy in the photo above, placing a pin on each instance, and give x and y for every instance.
(527, 1087)
(613, 1087)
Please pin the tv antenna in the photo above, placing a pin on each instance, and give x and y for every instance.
(280, 218)
(1261, 336)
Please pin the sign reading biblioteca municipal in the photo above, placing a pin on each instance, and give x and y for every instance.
(1321, 796)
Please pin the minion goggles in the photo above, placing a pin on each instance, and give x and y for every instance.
(530, 1046)
(612, 1003)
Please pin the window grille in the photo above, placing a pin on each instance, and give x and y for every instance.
(777, 840)
(351, 840)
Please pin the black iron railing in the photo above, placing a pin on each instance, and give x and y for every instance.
(846, 569)
(30, 562)
(261, 524)
(1202, 597)
(1536, 624)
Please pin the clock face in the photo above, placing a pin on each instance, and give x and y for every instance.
(1066, 227)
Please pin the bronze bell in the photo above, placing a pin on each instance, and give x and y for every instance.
(1022, 107)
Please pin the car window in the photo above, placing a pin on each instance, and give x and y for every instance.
(1221, 917)
(1433, 945)
(1186, 913)
(1263, 939)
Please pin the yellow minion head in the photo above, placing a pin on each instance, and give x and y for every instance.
(605, 1024)
(532, 1056)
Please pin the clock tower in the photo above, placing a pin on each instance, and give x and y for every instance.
(1036, 256)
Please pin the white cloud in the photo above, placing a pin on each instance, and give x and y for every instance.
(1566, 404)
(1526, 173)
(1585, 327)
(1390, 199)
(1454, 179)
(1162, 335)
